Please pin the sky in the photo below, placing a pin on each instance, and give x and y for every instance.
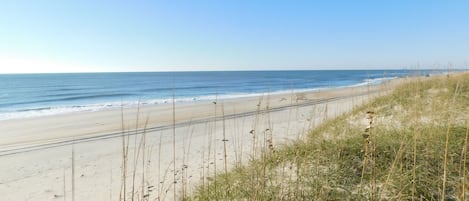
(177, 35)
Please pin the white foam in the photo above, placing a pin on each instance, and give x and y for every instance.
(375, 81)
(126, 104)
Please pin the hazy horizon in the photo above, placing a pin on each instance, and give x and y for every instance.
(254, 70)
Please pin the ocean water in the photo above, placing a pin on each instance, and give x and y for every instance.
(32, 95)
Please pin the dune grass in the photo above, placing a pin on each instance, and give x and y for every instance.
(408, 145)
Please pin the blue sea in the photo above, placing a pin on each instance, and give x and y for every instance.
(33, 95)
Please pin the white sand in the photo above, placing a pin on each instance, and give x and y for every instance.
(45, 171)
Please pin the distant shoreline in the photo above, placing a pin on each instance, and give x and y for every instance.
(256, 70)
(49, 95)
(50, 111)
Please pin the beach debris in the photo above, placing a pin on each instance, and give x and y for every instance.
(252, 131)
(214, 102)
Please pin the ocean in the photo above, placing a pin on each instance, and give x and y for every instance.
(33, 95)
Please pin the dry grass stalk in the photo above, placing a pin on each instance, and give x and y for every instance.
(174, 144)
(225, 155)
(215, 146)
(462, 194)
(416, 135)
(73, 172)
(123, 193)
(136, 152)
(449, 125)
(368, 157)
(64, 186)
(159, 186)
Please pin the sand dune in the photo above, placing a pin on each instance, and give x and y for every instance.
(36, 153)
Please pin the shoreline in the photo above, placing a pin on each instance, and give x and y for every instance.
(130, 113)
(129, 104)
(114, 134)
(59, 108)
(46, 172)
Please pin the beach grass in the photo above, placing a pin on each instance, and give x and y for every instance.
(408, 145)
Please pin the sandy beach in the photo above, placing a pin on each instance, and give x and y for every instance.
(36, 153)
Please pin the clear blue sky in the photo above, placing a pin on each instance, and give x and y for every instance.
(70, 36)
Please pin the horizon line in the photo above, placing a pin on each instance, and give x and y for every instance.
(245, 70)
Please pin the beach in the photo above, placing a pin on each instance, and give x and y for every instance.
(234, 100)
(81, 154)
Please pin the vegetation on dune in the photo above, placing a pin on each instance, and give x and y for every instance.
(408, 145)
